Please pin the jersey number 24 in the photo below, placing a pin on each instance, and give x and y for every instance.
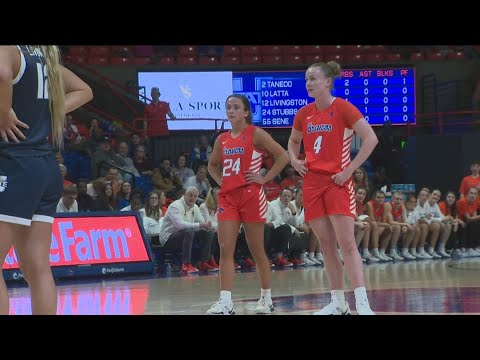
(230, 167)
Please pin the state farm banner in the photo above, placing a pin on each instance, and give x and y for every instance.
(85, 239)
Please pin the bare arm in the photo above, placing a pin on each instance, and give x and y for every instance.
(294, 143)
(77, 92)
(369, 141)
(214, 164)
(264, 141)
(9, 68)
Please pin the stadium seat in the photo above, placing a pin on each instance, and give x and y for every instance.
(313, 49)
(435, 56)
(186, 60)
(417, 56)
(271, 50)
(314, 58)
(187, 50)
(271, 59)
(99, 51)
(141, 60)
(230, 60)
(251, 60)
(98, 60)
(392, 57)
(456, 55)
(231, 50)
(292, 49)
(167, 60)
(293, 59)
(250, 50)
(207, 60)
(119, 60)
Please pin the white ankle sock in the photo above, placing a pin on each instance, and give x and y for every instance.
(360, 294)
(226, 296)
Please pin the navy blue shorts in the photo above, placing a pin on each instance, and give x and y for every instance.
(30, 188)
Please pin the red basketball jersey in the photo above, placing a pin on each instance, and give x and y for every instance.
(377, 213)
(396, 214)
(239, 155)
(327, 134)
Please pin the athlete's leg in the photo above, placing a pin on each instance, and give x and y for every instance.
(227, 238)
(8, 233)
(254, 234)
(323, 230)
(343, 233)
(33, 252)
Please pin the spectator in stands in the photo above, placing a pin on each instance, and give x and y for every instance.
(472, 180)
(68, 202)
(142, 164)
(380, 180)
(71, 134)
(291, 178)
(468, 212)
(457, 236)
(155, 114)
(181, 170)
(123, 153)
(279, 215)
(397, 218)
(59, 158)
(112, 177)
(271, 188)
(209, 210)
(165, 179)
(376, 210)
(135, 204)
(84, 201)
(200, 181)
(124, 194)
(360, 178)
(104, 156)
(412, 218)
(153, 206)
(424, 224)
(63, 172)
(182, 220)
(136, 141)
(370, 238)
(298, 221)
(106, 200)
(95, 136)
(200, 153)
(438, 220)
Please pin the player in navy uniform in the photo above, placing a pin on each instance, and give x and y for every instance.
(35, 94)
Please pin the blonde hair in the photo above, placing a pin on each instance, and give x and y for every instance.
(56, 92)
(332, 70)
(210, 202)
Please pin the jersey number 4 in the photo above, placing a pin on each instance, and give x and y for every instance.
(229, 167)
(42, 90)
(317, 146)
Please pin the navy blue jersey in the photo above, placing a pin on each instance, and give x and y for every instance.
(30, 101)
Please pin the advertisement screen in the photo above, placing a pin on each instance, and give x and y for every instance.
(91, 240)
(191, 95)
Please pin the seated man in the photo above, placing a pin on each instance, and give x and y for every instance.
(182, 220)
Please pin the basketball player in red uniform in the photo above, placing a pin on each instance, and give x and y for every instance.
(235, 165)
(326, 127)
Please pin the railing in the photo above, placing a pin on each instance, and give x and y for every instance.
(181, 124)
(440, 120)
(103, 164)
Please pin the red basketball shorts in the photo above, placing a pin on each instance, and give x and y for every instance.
(321, 196)
(246, 204)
